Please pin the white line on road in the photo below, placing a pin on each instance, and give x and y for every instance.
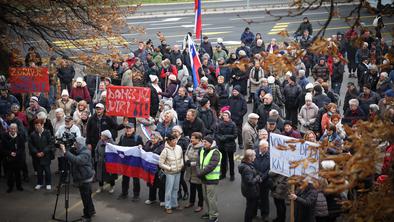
(315, 13)
(169, 23)
(256, 17)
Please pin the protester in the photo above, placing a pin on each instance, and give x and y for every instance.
(249, 131)
(102, 175)
(262, 165)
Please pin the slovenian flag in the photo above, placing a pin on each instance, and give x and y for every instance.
(197, 19)
(131, 162)
(195, 61)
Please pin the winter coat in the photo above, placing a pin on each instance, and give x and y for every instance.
(262, 165)
(225, 136)
(219, 54)
(305, 204)
(171, 89)
(174, 56)
(82, 165)
(191, 157)
(337, 73)
(321, 209)
(68, 106)
(215, 161)
(292, 133)
(263, 112)
(208, 117)
(240, 78)
(214, 101)
(80, 93)
(302, 82)
(365, 101)
(307, 116)
(183, 75)
(351, 117)
(250, 180)
(276, 93)
(249, 135)
(254, 83)
(6, 102)
(43, 143)
(16, 145)
(349, 95)
(279, 187)
(238, 108)
(102, 174)
(181, 105)
(247, 38)
(320, 100)
(154, 148)
(321, 71)
(383, 86)
(304, 26)
(207, 48)
(362, 72)
(257, 49)
(127, 78)
(291, 94)
(66, 74)
(154, 101)
(95, 126)
(171, 159)
(133, 140)
(196, 126)
(222, 93)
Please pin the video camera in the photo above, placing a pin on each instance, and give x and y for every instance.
(68, 139)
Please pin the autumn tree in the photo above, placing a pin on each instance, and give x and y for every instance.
(79, 29)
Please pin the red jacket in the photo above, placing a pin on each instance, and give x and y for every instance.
(173, 70)
(81, 92)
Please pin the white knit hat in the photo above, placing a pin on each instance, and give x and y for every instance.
(65, 92)
(271, 79)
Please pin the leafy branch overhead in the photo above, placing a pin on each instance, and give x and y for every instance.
(58, 26)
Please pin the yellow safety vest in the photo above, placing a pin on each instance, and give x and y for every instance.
(204, 161)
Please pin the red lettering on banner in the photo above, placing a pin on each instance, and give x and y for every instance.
(128, 101)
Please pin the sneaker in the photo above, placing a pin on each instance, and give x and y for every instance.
(205, 216)
(149, 202)
(168, 211)
(213, 220)
(38, 187)
(111, 190)
(49, 187)
(99, 190)
(135, 198)
(162, 204)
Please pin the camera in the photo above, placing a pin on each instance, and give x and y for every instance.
(68, 139)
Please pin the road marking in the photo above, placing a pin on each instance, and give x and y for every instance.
(280, 26)
(175, 26)
(172, 19)
(169, 23)
(85, 43)
(243, 18)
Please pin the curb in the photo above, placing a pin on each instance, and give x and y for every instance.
(220, 11)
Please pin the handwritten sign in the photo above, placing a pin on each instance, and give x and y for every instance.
(29, 79)
(128, 101)
(280, 159)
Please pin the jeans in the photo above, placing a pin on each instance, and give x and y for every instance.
(280, 210)
(136, 186)
(211, 200)
(336, 86)
(193, 188)
(85, 189)
(40, 174)
(251, 209)
(223, 165)
(172, 187)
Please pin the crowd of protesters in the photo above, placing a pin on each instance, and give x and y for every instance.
(197, 129)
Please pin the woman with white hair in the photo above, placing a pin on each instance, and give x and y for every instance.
(354, 113)
(308, 114)
(102, 174)
(58, 120)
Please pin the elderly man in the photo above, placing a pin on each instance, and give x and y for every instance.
(264, 109)
(354, 113)
(249, 131)
(33, 109)
(192, 123)
(66, 103)
(262, 165)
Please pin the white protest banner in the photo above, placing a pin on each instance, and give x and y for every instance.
(280, 160)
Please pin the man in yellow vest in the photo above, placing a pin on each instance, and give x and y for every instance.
(208, 170)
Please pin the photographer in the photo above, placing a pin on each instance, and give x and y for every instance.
(63, 136)
(82, 172)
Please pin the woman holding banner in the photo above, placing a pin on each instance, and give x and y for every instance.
(102, 175)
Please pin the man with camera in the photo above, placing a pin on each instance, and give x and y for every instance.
(82, 172)
(64, 135)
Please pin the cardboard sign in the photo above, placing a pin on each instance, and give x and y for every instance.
(29, 79)
(280, 159)
(128, 101)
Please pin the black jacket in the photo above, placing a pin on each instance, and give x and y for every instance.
(305, 204)
(337, 73)
(133, 140)
(249, 180)
(263, 112)
(291, 94)
(66, 74)
(43, 143)
(320, 100)
(209, 119)
(238, 108)
(225, 136)
(154, 101)
(207, 48)
(262, 165)
(196, 126)
(304, 26)
(222, 93)
(96, 126)
(9, 145)
(81, 167)
(154, 148)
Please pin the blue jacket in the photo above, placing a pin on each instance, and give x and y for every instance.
(181, 105)
(81, 167)
(247, 38)
(6, 102)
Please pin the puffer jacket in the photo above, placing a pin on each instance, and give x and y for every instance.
(181, 105)
(225, 136)
(171, 159)
(305, 204)
(307, 116)
(249, 180)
